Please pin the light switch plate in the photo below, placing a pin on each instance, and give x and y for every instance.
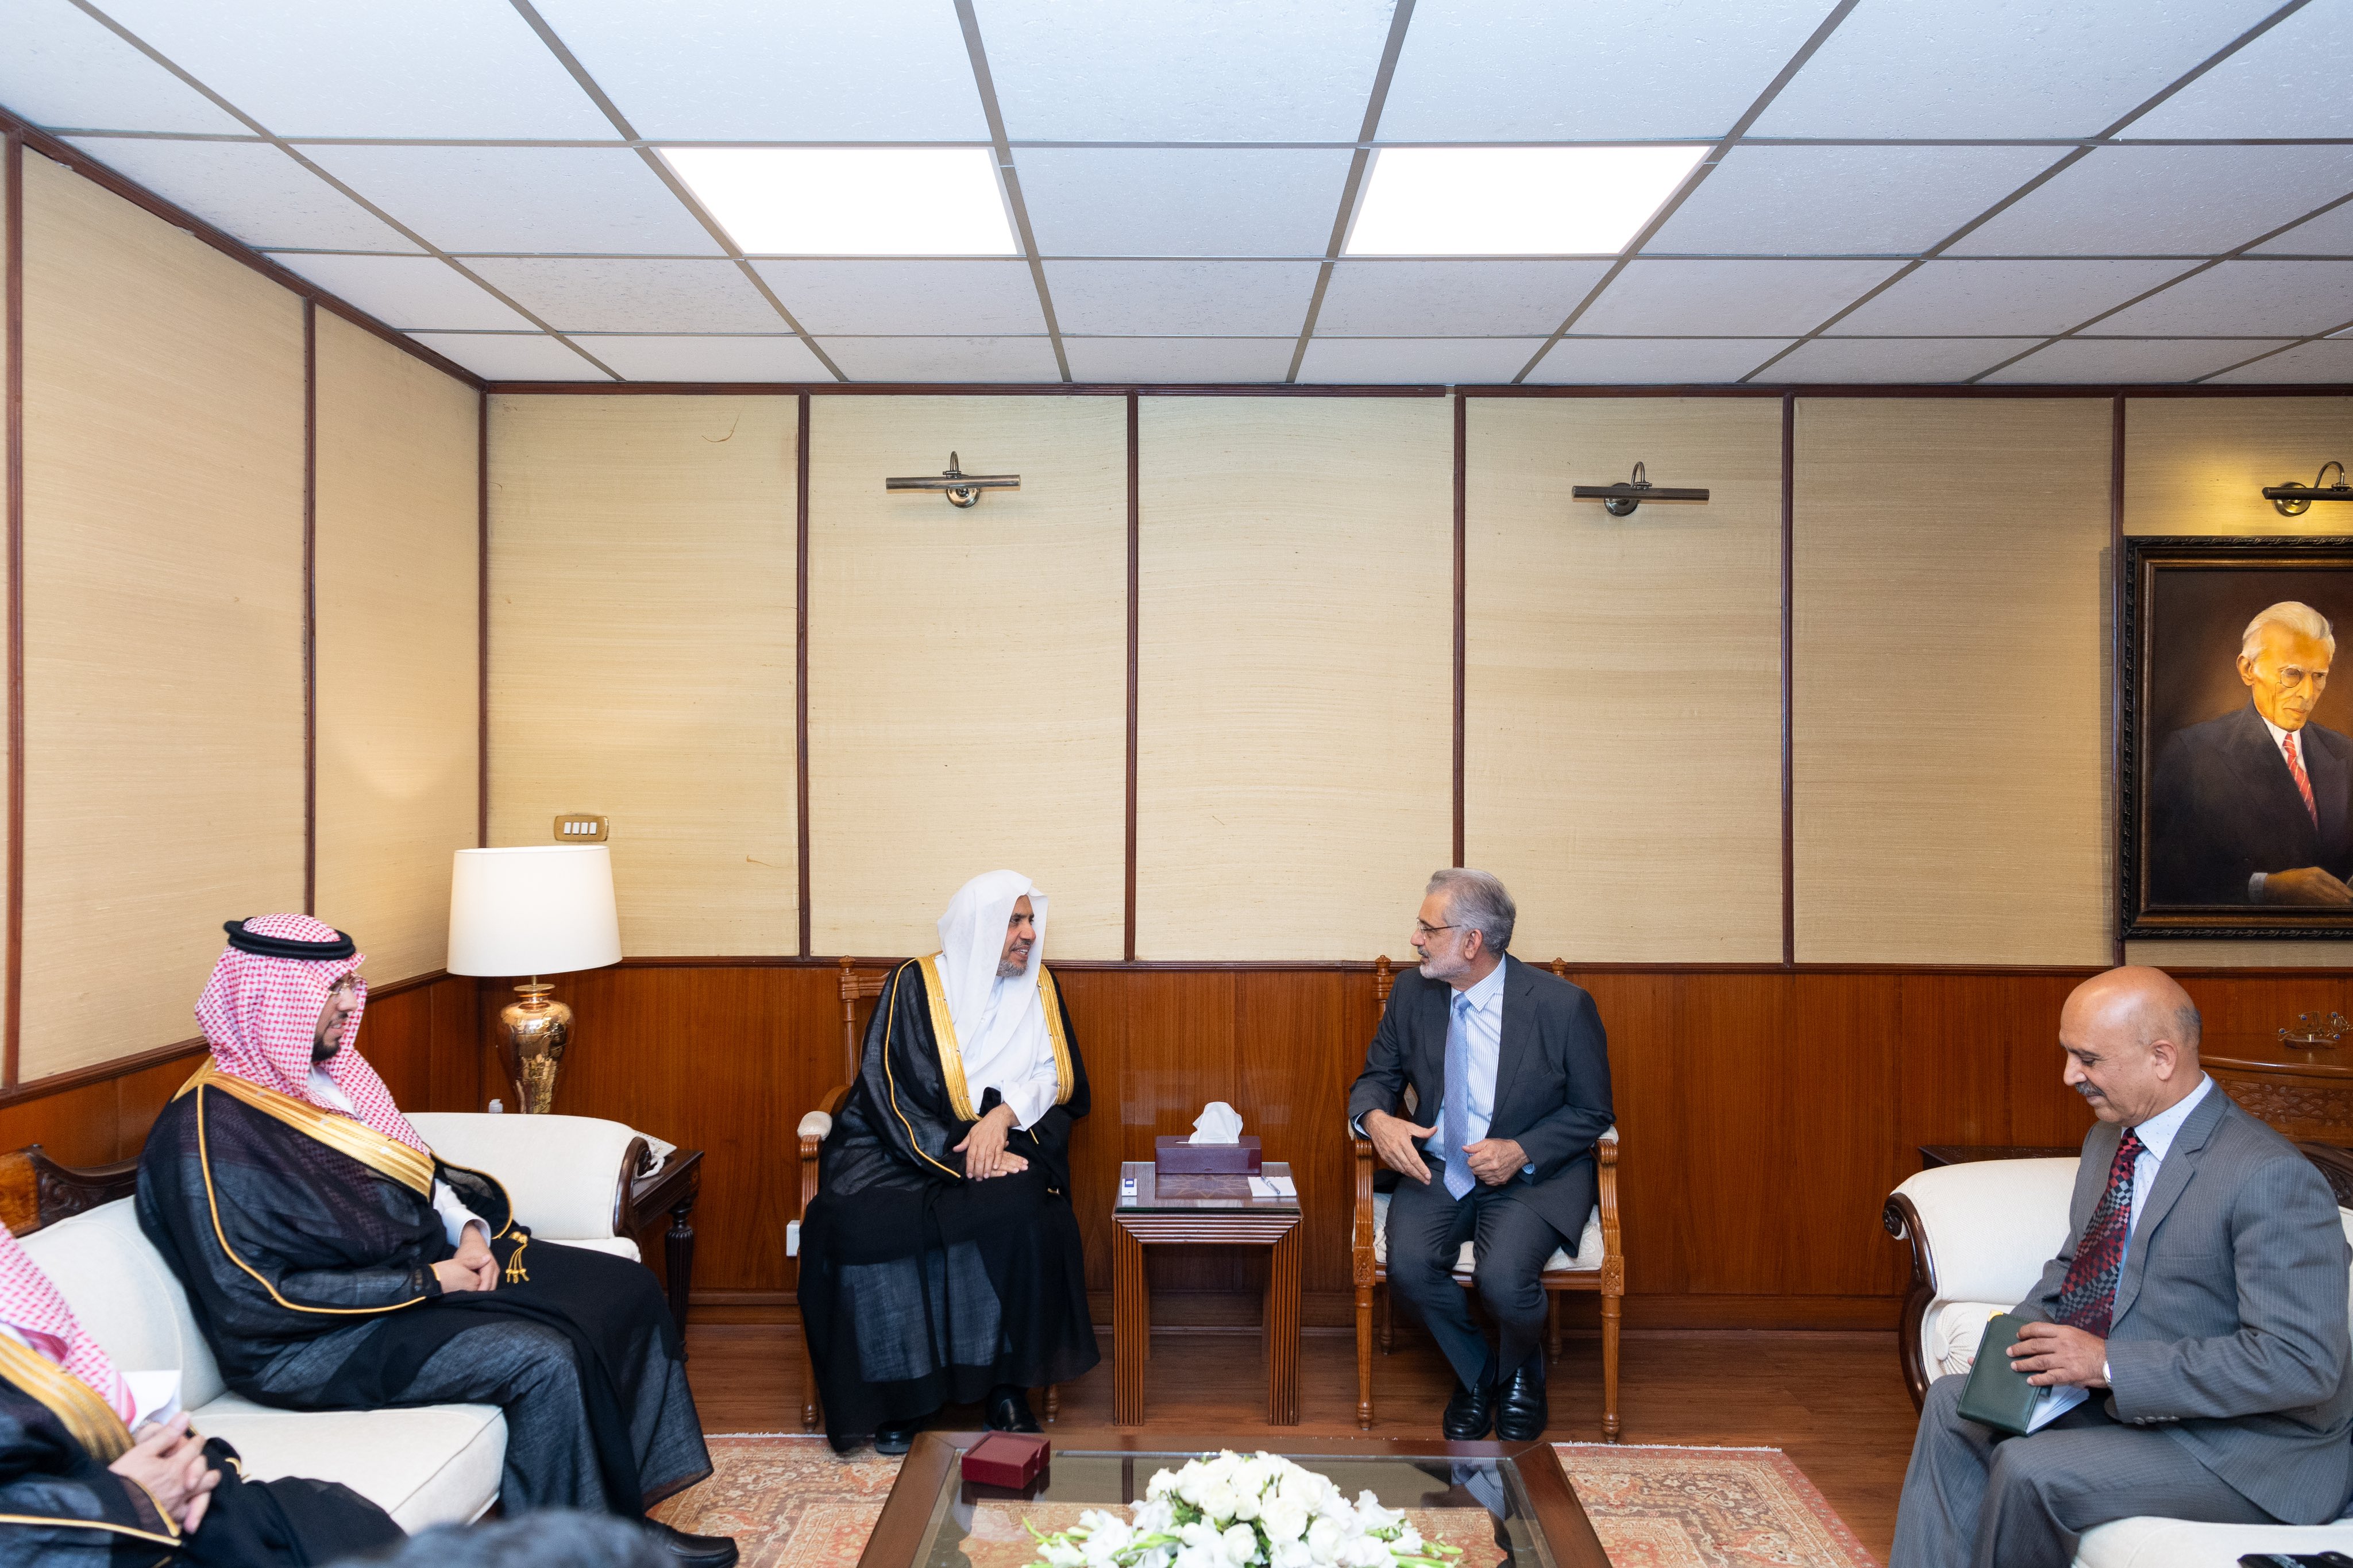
(580, 827)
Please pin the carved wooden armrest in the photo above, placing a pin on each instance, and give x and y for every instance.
(35, 1190)
(814, 1128)
(1361, 1237)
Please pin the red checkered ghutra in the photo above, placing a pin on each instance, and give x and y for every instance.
(2088, 1299)
(35, 1308)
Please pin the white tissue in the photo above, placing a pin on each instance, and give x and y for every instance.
(1217, 1123)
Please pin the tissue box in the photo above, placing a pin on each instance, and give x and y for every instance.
(1011, 1459)
(1176, 1155)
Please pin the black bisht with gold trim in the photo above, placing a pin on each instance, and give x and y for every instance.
(919, 1288)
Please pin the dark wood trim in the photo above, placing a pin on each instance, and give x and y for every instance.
(138, 195)
(1354, 966)
(1902, 1221)
(2116, 635)
(310, 608)
(800, 656)
(482, 620)
(14, 286)
(1135, 636)
(1788, 680)
(946, 389)
(1461, 598)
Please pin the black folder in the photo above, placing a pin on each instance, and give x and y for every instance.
(1996, 1392)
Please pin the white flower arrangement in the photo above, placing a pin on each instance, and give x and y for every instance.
(1223, 1511)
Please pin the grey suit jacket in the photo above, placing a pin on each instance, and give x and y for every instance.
(1552, 1077)
(2229, 1333)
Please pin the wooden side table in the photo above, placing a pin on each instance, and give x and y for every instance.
(1202, 1211)
(2305, 1095)
(671, 1191)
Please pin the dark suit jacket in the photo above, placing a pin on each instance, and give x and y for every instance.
(2229, 1331)
(2222, 806)
(1552, 1077)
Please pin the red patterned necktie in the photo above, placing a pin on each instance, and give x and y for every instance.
(2296, 766)
(2089, 1296)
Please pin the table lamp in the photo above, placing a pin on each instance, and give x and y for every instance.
(541, 910)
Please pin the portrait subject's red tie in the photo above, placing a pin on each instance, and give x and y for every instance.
(2296, 766)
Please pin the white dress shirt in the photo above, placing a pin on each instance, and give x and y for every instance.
(2156, 1135)
(455, 1215)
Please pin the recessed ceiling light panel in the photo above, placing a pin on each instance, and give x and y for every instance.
(852, 201)
(1514, 201)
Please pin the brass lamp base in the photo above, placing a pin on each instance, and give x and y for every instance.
(538, 1028)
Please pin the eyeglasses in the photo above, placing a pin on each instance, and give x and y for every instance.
(1423, 928)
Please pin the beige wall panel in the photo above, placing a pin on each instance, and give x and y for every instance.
(1622, 768)
(163, 618)
(968, 669)
(1951, 678)
(396, 582)
(2198, 465)
(641, 654)
(1295, 707)
(2177, 955)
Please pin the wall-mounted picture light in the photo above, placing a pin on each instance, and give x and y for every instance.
(961, 488)
(1619, 501)
(2295, 499)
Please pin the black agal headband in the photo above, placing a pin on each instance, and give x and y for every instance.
(244, 940)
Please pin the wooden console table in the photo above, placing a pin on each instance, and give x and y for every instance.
(2306, 1095)
(1202, 1211)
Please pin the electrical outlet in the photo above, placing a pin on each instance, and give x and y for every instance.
(580, 827)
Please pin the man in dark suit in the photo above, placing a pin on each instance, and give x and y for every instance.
(2252, 808)
(1511, 1069)
(2195, 1319)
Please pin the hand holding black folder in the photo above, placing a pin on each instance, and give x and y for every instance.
(1996, 1392)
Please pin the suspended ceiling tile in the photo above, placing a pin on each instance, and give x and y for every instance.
(2330, 233)
(1728, 299)
(708, 359)
(1998, 67)
(1181, 299)
(1665, 361)
(1895, 359)
(250, 189)
(62, 67)
(882, 70)
(1812, 200)
(947, 297)
(1445, 362)
(2170, 200)
(2043, 298)
(2131, 360)
(1213, 71)
(1567, 70)
(2290, 82)
(522, 199)
(418, 292)
(2251, 299)
(630, 295)
(1476, 299)
(372, 67)
(1125, 201)
(1006, 359)
(2329, 360)
(499, 356)
(1180, 361)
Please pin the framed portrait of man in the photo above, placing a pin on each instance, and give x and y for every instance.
(2236, 777)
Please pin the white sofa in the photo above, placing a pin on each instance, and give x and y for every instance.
(425, 1466)
(1980, 1234)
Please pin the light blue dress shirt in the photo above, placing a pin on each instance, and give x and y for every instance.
(1484, 1030)
(2156, 1135)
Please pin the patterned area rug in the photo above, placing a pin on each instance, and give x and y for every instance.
(790, 1503)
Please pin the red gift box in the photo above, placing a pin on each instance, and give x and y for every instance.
(1176, 1155)
(1010, 1459)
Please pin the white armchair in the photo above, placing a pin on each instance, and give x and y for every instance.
(1979, 1234)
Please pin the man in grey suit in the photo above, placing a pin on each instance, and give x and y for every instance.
(2200, 1306)
(1511, 1067)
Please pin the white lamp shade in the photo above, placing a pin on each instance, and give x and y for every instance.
(542, 909)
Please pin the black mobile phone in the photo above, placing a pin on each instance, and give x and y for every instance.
(2295, 1560)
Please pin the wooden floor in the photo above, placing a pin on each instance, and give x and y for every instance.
(1833, 1402)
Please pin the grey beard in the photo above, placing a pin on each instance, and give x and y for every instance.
(1007, 969)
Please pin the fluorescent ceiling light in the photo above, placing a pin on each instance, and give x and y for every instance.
(852, 201)
(1514, 201)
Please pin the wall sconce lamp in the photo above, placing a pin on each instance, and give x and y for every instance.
(1619, 501)
(961, 488)
(2295, 499)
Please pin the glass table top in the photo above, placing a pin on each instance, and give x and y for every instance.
(1176, 1193)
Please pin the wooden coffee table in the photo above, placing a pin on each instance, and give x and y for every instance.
(1511, 1496)
(1202, 1211)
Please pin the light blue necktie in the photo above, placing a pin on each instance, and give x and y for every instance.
(1457, 1115)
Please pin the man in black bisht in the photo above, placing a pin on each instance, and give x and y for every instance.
(941, 1261)
(335, 1264)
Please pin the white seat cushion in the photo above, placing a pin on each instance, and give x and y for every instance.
(1588, 1245)
(1952, 1332)
(618, 1246)
(2146, 1542)
(437, 1464)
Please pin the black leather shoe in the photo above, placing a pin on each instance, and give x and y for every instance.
(1469, 1413)
(1009, 1410)
(896, 1436)
(1521, 1411)
(701, 1551)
